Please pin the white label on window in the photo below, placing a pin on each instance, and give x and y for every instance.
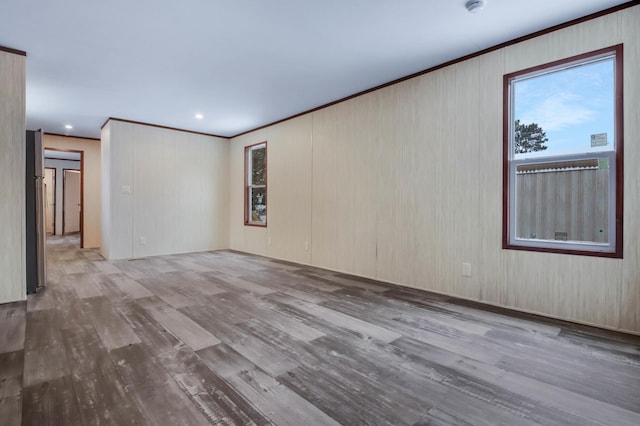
(599, 139)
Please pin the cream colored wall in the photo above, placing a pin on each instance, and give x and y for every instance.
(344, 203)
(117, 173)
(12, 178)
(406, 185)
(177, 197)
(629, 294)
(92, 180)
(105, 190)
(289, 190)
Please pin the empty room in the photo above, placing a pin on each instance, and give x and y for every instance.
(421, 212)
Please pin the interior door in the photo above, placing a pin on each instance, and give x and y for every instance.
(71, 203)
(50, 204)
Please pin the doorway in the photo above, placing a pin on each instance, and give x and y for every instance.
(50, 200)
(69, 184)
(72, 209)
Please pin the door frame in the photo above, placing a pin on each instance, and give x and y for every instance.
(55, 201)
(64, 195)
(81, 190)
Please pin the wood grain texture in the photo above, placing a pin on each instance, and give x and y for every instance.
(11, 369)
(116, 154)
(407, 186)
(630, 288)
(279, 402)
(361, 354)
(289, 192)
(12, 175)
(12, 334)
(109, 323)
(44, 354)
(177, 181)
(344, 196)
(11, 400)
(342, 320)
(185, 329)
(105, 191)
(51, 402)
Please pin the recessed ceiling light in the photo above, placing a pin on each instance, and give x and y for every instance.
(475, 6)
(199, 116)
(68, 126)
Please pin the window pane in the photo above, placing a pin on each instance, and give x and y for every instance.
(258, 169)
(563, 154)
(563, 201)
(258, 205)
(256, 187)
(566, 111)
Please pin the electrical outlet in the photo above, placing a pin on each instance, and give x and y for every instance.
(269, 241)
(143, 241)
(125, 189)
(466, 269)
(306, 245)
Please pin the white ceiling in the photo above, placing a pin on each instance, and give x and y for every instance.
(241, 63)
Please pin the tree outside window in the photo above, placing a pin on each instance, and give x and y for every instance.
(256, 188)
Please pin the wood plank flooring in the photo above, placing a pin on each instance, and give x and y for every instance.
(226, 338)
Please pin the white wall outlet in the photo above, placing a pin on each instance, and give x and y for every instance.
(306, 245)
(143, 241)
(269, 241)
(125, 189)
(466, 269)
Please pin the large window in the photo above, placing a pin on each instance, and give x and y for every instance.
(255, 172)
(563, 156)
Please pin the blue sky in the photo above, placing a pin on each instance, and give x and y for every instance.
(570, 105)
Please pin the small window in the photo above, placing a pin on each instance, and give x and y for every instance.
(563, 156)
(256, 185)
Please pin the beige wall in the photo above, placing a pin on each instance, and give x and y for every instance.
(166, 191)
(91, 192)
(12, 177)
(288, 235)
(404, 184)
(289, 190)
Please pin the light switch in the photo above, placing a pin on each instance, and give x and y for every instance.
(466, 269)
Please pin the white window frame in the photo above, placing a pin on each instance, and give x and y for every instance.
(249, 185)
